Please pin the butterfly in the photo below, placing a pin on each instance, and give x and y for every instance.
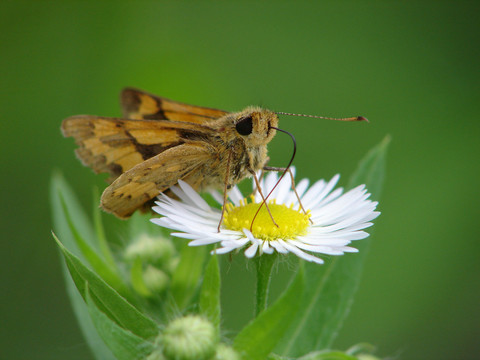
(159, 141)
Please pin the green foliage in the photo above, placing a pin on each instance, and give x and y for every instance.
(74, 228)
(76, 231)
(59, 186)
(261, 335)
(124, 344)
(106, 298)
(100, 231)
(95, 343)
(210, 293)
(136, 276)
(106, 270)
(328, 355)
(329, 289)
(358, 352)
(186, 277)
(62, 196)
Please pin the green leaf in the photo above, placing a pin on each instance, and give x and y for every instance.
(59, 186)
(328, 355)
(61, 194)
(273, 356)
(259, 337)
(330, 288)
(138, 283)
(100, 231)
(210, 293)
(74, 226)
(187, 274)
(103, 269)
(123, 344)
(95, 343)
(361, 349)
(107, 299)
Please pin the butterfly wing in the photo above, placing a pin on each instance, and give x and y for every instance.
(138, 104)
(159, 142)
(146, 180)
(115, 145)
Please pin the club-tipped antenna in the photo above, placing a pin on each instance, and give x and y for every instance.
(355, 118)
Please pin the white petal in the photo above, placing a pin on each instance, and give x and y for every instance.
(324, 192)
(281, 192)
(193, 195)
(235, 195)
(270, 180)
(200, 242)
(217, 196)
(349, 249)
(222, 250)
(235, 243)
(328, 250)
(301, 187)
(265, 248)
(251, 251)
(279, 247)
(181, 195)
(312, 193)
(300, 253)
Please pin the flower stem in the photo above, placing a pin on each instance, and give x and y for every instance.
(264, 264)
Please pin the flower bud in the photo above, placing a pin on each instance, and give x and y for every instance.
(152, 250)
(156, 355)
(172, 264)
(189, 338)
(225, 352)
(155, 280)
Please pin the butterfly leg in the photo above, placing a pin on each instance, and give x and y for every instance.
(226, 187)
(279, 169)
(262, 173)
(264, 200)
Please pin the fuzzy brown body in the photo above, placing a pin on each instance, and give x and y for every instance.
(160, 141)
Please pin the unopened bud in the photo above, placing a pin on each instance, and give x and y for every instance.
(152, 250)
(189, 338)
(155, 280)
(225, 352)
(156, 355)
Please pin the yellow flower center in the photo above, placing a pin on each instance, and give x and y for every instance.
(291, 222)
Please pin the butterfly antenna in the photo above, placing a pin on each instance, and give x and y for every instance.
(355, 118)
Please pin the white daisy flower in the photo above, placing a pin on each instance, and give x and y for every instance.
(332, 220)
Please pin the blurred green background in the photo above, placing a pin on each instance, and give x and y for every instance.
(412, 68)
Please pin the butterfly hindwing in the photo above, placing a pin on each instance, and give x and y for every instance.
(146, 180)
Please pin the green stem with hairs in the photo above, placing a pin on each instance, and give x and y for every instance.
(264, 265)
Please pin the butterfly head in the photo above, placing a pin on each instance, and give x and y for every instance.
(256, 125)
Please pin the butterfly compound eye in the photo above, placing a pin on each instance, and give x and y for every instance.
(245, 126)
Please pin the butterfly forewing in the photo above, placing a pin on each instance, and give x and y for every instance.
(138, 104)
(115, 145)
